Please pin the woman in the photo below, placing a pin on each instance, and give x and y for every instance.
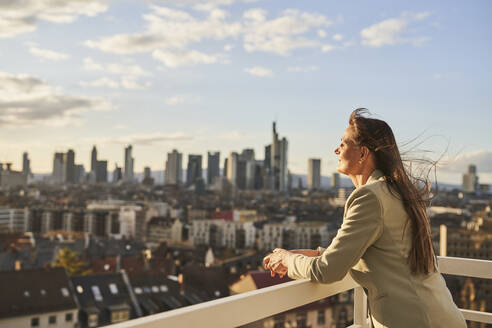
(384, 241)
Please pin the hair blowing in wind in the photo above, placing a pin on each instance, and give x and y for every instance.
(377, 135)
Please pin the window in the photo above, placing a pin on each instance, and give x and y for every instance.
(118, 316)
(92, 320)
(301, 320)
(52, 319)
(65, 292)
(138, 290)
(80, 289)
(321, 317)
(35, 322)
(97, 293)
(164, 288)
(68, 317)
(43, 292)
(155, 289)
(113, 288)
(26, 293)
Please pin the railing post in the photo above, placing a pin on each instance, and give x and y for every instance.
(360, 307)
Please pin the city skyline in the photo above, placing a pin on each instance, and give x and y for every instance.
(108, 74)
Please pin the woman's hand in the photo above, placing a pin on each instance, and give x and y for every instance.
(276, 262)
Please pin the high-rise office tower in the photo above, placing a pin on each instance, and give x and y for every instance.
(58, 174)
(93, 159)
(79, 173)
(147, 172)
(470, 180)
(102, 171)
(335, 180)
(117, 175)
(226, 165)
(314, 174)
(129, 164)
(194, 170)
(246, 169)
(174, 168)
(26, 164)
(70, 167)
(213, 166)
(232, 163)
(278, 162)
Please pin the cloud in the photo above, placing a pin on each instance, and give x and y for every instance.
(176, 100)
(114, 68)
(18, 17)
(282, 34)
(147, 139)
(259, 71)
(303, 69)
(185, 58)
(392, 31)
(26, 101)
(125, 82)
(322, 34)
(48, 54)
(482, 159)
(169, 29)
(338, 37)
(128, 75)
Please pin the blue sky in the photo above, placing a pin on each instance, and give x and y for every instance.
(213, 75)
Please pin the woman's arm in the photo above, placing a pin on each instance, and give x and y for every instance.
(306, 252)
(361, 227)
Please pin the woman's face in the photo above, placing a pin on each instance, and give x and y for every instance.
(349, 154)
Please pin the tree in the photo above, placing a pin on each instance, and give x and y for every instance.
(68, 259)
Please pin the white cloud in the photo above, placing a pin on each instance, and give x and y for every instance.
(228, 47)
(327, 48)
(145, 139)
(392, 31)
(283, 34)
(129, 82)
(114, 68)
(322, 34)
(17, 17)
(102, 82)
(125, 82)
(303, 69)
(169, 29)
(27, 101)
(176, 100)
(459, 164)
(48, 54)
(185, 58)
(338, 37)
(259, 71)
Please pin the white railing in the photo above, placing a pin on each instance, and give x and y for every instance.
(248, 307)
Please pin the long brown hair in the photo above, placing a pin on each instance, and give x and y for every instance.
(378, 137)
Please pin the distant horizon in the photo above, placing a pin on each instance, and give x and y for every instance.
(214, 74)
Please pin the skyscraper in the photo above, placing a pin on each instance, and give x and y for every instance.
(278, 162)
(232, 163)
(129, 163)
(58, 174)
(335, 180)
(102, 171)
(26, 164)
(213, 166)
(174, 168)
(93, 159)
(470, 180)
(70, 167)
(194, 170)
(117, 175)
(314, 174)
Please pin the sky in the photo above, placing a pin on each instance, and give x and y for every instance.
(213, 75)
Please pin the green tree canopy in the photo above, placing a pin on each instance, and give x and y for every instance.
(70, 260)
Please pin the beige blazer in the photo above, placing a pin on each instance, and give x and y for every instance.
(373, 246)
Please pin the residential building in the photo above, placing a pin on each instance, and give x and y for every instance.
(37, 298)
